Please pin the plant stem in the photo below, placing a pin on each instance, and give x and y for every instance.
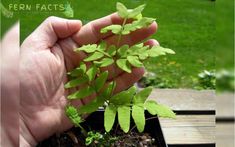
(84, 132)
(118, 42)
(120, 35)
(145, 120)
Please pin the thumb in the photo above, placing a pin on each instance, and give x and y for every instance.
(52, 29)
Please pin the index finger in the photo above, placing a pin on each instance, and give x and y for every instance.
(90, 33)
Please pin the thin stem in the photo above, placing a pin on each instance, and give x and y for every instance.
(84, 132)
(118, 43)
(145, 120)
(120, 35)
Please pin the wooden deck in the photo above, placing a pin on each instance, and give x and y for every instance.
(195, 122)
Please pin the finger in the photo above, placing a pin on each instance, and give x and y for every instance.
(152, 42)
(90, 33)
(72, 58)
(126, 80)
(52, 29)
(133, 37)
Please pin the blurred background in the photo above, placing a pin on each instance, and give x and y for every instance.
(186, 26)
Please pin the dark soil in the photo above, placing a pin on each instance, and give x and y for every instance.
(73, 138)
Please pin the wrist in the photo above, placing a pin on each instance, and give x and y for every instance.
(26, 137)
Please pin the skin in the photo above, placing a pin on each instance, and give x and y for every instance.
(9, 80)
(47, 55)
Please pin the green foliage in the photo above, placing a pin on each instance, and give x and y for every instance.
(116, 29)
(225, 80)
(142, 96)
(91, 136)
(157, 109)
(124, 65)
(94, 56)
(134, 61)
(206, 80)
(91, 73)
(125, 13)
(124, 97)
(94, 80)
(72, 113)
(138, 24)
(76, 82)
(90, 48)
(124, 113)
(104, 62)
(82, 93)
(100, 140)
(156, 51)
(138, 116)
(109, 116)
(100, 81)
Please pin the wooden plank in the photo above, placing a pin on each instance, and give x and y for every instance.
(189, 135)
(189, 129)
(185, 99)
(225, 105)
(189, 120)
(225, 135)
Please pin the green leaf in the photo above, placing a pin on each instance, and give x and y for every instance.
(82, 93)
(75, 82)
(122, 63)
(134, 60)
(91, 73)
(138, 17)
(109, 117)
(104, 62)
(138, 24)
(139, 117)
(83, 67)
(76, 72)
(73, 115)
(122, 51)
(122, 10)
(143, 56)
(139, 50)
(116, 29)
(92, 106)
(112, 50)
(87, 48)
(157, 109)
(156, 51)
(102, 46)
(141, 96)
(109, 90)
(94, 56)
(124, 117)
(135, 12)
(124, 97)
(100, 81)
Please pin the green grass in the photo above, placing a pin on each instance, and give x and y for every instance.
(186, 26)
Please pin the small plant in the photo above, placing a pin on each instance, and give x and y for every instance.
(206, 80)
(151, 79)
(225, 80)
(128, 103)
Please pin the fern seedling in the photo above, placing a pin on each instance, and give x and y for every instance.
(128, 103)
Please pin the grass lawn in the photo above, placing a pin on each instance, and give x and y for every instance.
(186, 26)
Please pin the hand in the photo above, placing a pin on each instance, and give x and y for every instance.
(47, 55)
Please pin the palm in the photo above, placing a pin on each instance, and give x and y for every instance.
(43, 70)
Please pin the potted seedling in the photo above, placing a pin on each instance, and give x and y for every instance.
(124, 119)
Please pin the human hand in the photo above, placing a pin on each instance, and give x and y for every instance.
(47, 55)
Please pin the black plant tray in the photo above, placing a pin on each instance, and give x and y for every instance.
(96, 122)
